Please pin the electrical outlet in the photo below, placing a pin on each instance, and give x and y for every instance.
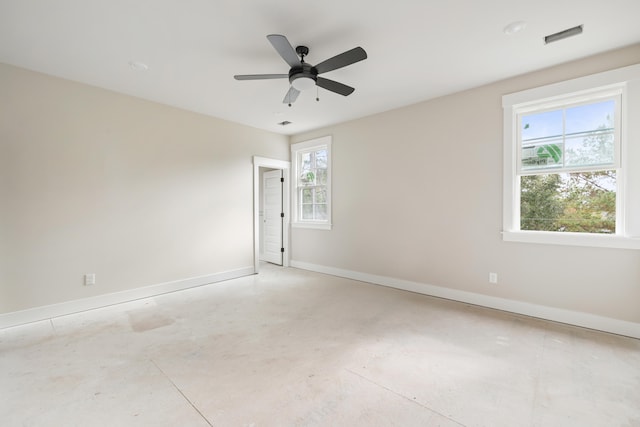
(493, 277)
(89, 279)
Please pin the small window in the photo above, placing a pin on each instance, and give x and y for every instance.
(312, 171)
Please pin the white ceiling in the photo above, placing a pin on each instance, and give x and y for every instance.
(418, 49)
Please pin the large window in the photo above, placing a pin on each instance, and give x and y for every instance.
(567, 166)
(569, 155)
(312, 174)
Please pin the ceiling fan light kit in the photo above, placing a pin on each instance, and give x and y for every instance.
(304, 76)
(302, 82)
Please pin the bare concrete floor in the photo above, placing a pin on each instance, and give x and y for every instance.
(294, 348)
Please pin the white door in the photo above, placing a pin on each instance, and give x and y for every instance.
(272, 218)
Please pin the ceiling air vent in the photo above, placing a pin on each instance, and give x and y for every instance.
(563, 34)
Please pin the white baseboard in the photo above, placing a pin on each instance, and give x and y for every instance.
(50, 311)
(586, 320)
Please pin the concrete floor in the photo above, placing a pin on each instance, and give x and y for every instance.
(295, 348)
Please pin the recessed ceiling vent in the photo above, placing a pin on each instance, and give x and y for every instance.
(563, 34)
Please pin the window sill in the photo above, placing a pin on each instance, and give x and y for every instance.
(572, 239)
(312, 225)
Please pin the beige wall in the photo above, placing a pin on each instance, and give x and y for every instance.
(96, 182)
(139, 193)
(417, 195)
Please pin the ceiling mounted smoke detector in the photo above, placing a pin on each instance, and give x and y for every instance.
(138, 66)
(514, 27)
(570, 32)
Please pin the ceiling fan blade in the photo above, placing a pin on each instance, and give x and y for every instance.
(260, 76)
(334, 86)
(345, 58)
(284, 48)
(291, 96)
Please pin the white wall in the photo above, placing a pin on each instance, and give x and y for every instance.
(417, 196)
(139, 193)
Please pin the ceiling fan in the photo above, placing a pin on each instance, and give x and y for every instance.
(303, 75)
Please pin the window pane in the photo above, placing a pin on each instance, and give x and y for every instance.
(590, 134)
(321, 176)
(307, 178)
(321, 212)
(539, 126)
(542, 140)
(320, 195)
(305, 161)
(570, 202)
(307, 211)
(307, 195)
(543, 155)
(589, 150)
(321, 158)
(590, 117)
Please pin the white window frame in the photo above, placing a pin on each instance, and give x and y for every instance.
(625, 81)
(296, 150)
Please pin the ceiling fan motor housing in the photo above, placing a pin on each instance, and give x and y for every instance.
(304, 71)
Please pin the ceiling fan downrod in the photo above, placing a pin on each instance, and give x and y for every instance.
(302, 51)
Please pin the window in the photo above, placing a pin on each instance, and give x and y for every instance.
(568, 150)
(568, 158)
(312, 172)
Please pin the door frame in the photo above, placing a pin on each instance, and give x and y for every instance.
(264, 162)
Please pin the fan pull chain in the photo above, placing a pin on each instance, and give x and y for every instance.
(317, 94)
